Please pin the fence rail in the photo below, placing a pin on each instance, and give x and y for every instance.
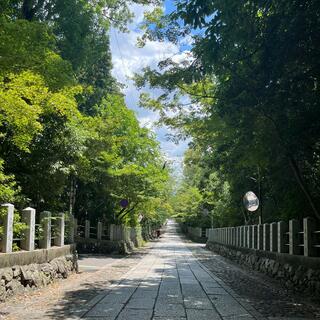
(293, 237)
(53, 230)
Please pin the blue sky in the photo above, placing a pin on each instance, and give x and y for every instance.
(128, 59)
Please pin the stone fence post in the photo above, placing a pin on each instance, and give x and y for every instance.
(242, 236)
(59, 230)
(273, 236)
(99, 230)
(260, 237)
(87, 229)
(294, 236)
(266, 236)
(254, 236)
(234, 236)
(45, 222)
(282, 232)
(309, 227)
(29, 218)
(249, 237)
(111, 232)
(7, 221)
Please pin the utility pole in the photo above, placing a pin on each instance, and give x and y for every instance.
(260, 196)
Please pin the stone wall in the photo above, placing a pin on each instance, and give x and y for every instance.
(297, 273)
(194, 233)
(104, 246)
(17, 279)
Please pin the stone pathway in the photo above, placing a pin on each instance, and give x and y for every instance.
(168, 283)
(171, 279)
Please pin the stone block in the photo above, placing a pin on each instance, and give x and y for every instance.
(6, 274)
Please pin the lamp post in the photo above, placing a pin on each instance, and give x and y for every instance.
(259, 194)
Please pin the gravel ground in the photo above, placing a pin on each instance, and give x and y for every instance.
(264, 294)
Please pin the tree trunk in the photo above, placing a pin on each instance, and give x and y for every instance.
(27, 10)
(303, 187)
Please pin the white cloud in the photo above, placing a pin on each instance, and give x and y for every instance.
(128, 59)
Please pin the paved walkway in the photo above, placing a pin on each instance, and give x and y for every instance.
(168, 283)
(163, 280)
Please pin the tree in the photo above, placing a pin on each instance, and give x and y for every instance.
(252, 79)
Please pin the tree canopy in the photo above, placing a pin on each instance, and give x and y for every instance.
(252, 81)
(68, 143)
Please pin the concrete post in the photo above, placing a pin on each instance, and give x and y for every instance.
(266, 236)
(238, 237)
(45, 222)
(260, 237)
(249, 240)
(282, 230)
(29, 218)
(7, 221)
(308, 228)
(245, 240)
(59, 230)
(254, 236)
(87, 229)
(273, 237)
(111, 232)
(99, 230)
(294, 237)
(241, 236)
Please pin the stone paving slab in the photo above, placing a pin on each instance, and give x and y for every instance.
(105, 310)
(141, 303)
(195, 314)
(227, 306)
(169, 318)
(135, 314)
(169, 283)
(197, 303)
(169, 310)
